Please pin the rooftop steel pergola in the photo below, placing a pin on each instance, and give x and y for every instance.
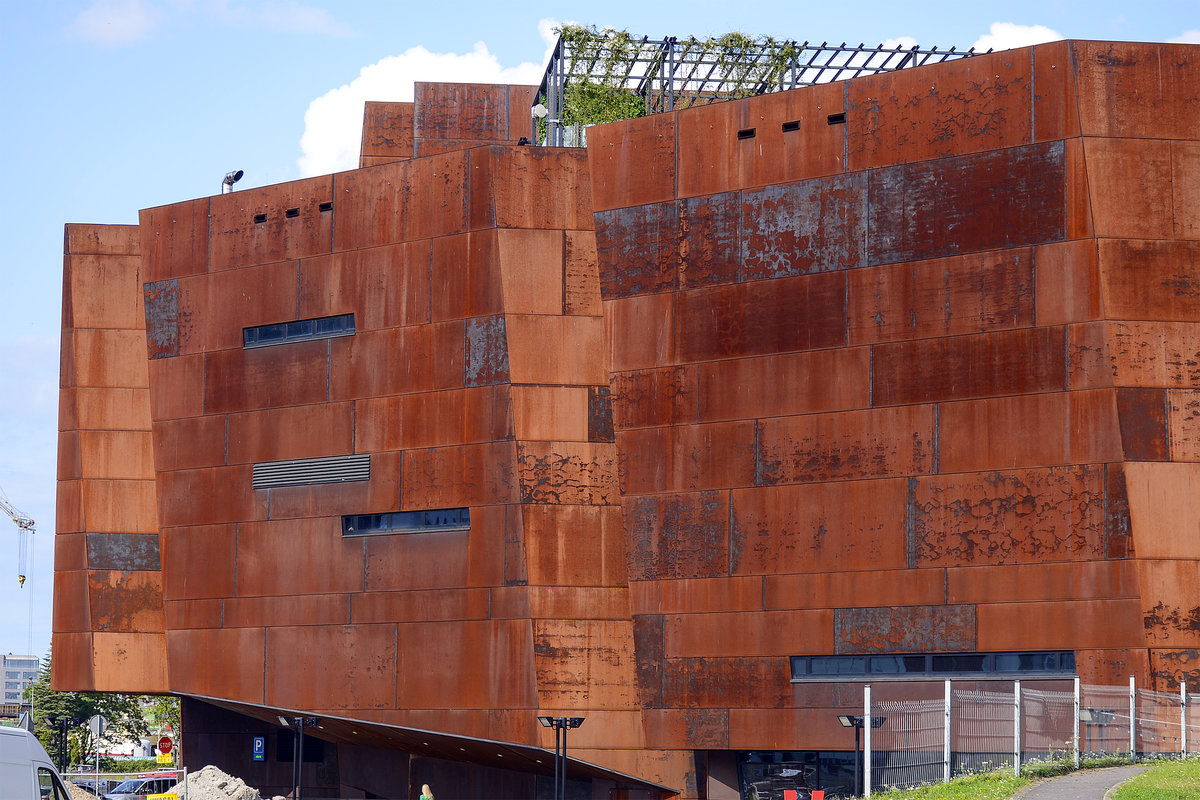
(670, 74)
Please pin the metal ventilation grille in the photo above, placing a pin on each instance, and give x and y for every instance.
(302, 471)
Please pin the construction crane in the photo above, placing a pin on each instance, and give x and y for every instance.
(25, 530)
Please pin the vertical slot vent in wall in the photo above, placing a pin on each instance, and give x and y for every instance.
(303, 471)
(746, 133)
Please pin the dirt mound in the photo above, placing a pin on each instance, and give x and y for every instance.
(211, 783)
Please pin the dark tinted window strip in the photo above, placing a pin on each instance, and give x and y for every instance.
(442, 519)
(934, 665)
(298, 330)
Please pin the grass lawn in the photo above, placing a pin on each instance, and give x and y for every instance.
(1173, 780)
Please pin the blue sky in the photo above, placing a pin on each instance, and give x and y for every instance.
(118, 105)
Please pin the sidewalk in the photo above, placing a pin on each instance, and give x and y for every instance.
(1089, 784)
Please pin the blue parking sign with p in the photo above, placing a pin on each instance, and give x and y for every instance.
(260, 748)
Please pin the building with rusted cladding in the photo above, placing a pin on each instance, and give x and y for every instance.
(688, 434)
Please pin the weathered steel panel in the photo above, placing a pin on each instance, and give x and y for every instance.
(1067, 282)
(551, 413)
(208, 495)
(581, 274)
(708, 240)
(461, 111)
(962, 106)
(265, 377)
(466, 276)
(1150, 280)
(1041, 515)
(600, 414)
(485, 351)
(1061, 625)
(1143, 418)
(174, 240)
(686, 458)
(1002, 198)
(877, 443)
(162, 318)
(1138, 90)
(1002, 363)
(794, 383)
(268, 435)
(1055, 95)
(640, 331)
(213, 309)
(1139, 208)
(912, 629)
(531, 270)
(1171, 602)
(316, 560)
(538, 187)
(396, 360)
(344, 666)
(678, 535)
(502, 674)
(400, 202)
(844, 525)
(1172, 667)
(574, 546)
(633, 163)
(125, 601)
(723, 682)
(185, 547)
(761, 317)
(1075, 427)
(747, 634)
(818, 225)
(333, 499)
(1118, 526)
(1159, 354)
(666, 396)
(311, 609)
(452, 477)
(1185, 189)
(123, 551)
(707, 728)
(708, 147)
(562, 350)
(271, 223)
(1041, 581)
(387, 132)
(401, 563)
(567, 472)
(944, 297)
(638, 249)
(381, 286)
(582, 663)
(838, 589)
(808, 147)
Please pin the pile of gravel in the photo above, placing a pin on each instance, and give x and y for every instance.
(211, 783)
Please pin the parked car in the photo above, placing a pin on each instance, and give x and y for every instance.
(26, 772)
(139, 788)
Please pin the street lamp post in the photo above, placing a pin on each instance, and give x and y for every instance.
(299, 723)
(561, 725)
(857, 722)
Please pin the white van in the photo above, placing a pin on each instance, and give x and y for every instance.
(26, 772)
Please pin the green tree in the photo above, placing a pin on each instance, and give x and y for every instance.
(125, 715)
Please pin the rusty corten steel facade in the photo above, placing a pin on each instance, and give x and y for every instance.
(922, 380)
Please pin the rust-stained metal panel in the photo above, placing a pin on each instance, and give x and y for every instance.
(666, 396)
(1067, 282)
(708, 250)
(119, 506)
(202, 496)
(1036, 515)
(417, 358)
(981, 583)
(316, 560)
(387, 132)
(1076, 427)
(1137, 90)
(501, 655)
(129, 662)
(400, 202)
(678, 535)
(739, 593)
(1185, 189)
(381, 286)
(126, 601)
(1183, 424)
(162, 318)
(402, 562)
(197, 659)
(264, 377)
(749, 633)
(401, 422)
(123, 551)
(574, 546)
(178, 386)
(704, 727)
(565, 350)
(1172, 667)
(185, 547)
(910, 629)
(1170, 602)
(817, 527)
(99, 295)
(761, 317)
(633, 163)
(267, 435)
(1162, 354)
(461, 111)
(649, 644)
(1141, 168)
(485, 350)
(567, 472)
(1021, 361)
(793, 138)
(818, 225)
(724, 682)
(580, 663)
(876, 443)
(638, 249)
(1118, 527)
(1150, 280)
(452, 477)
(963, 106)
(686, 458)
(333, 499)
(1001, 198)
(1061, 625)
(838, 589)
(640, 331)
(793, 383)
(533, 187)
(600, 414)
(174, 240)
(71, 606)
(581, 274)
(1162, 509)
(213, 309)
(1055, 94)
(1143, 418)
(943, 297)
(531, 270)
(708, 146)
(466, 276)
(271, 223)
(550, 412)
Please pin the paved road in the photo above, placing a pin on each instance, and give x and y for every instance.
(1090, 784)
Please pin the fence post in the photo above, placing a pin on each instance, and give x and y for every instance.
(1075, 742)
(1017, 728)
(1183, 719)
(946, 756)
(1133, 718)
(867, 726)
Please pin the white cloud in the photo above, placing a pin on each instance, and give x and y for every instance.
(1187, 37)
(116, 22)
(333, 122)
(1007, 35)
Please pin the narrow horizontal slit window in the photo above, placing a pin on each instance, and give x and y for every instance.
(305, 471)
(1044, 664)
(747, 133)
(837, 119)
(292, 213)
(298, 330)
(260, 218)
(442, 519)
(326, 206)
(788, 127)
